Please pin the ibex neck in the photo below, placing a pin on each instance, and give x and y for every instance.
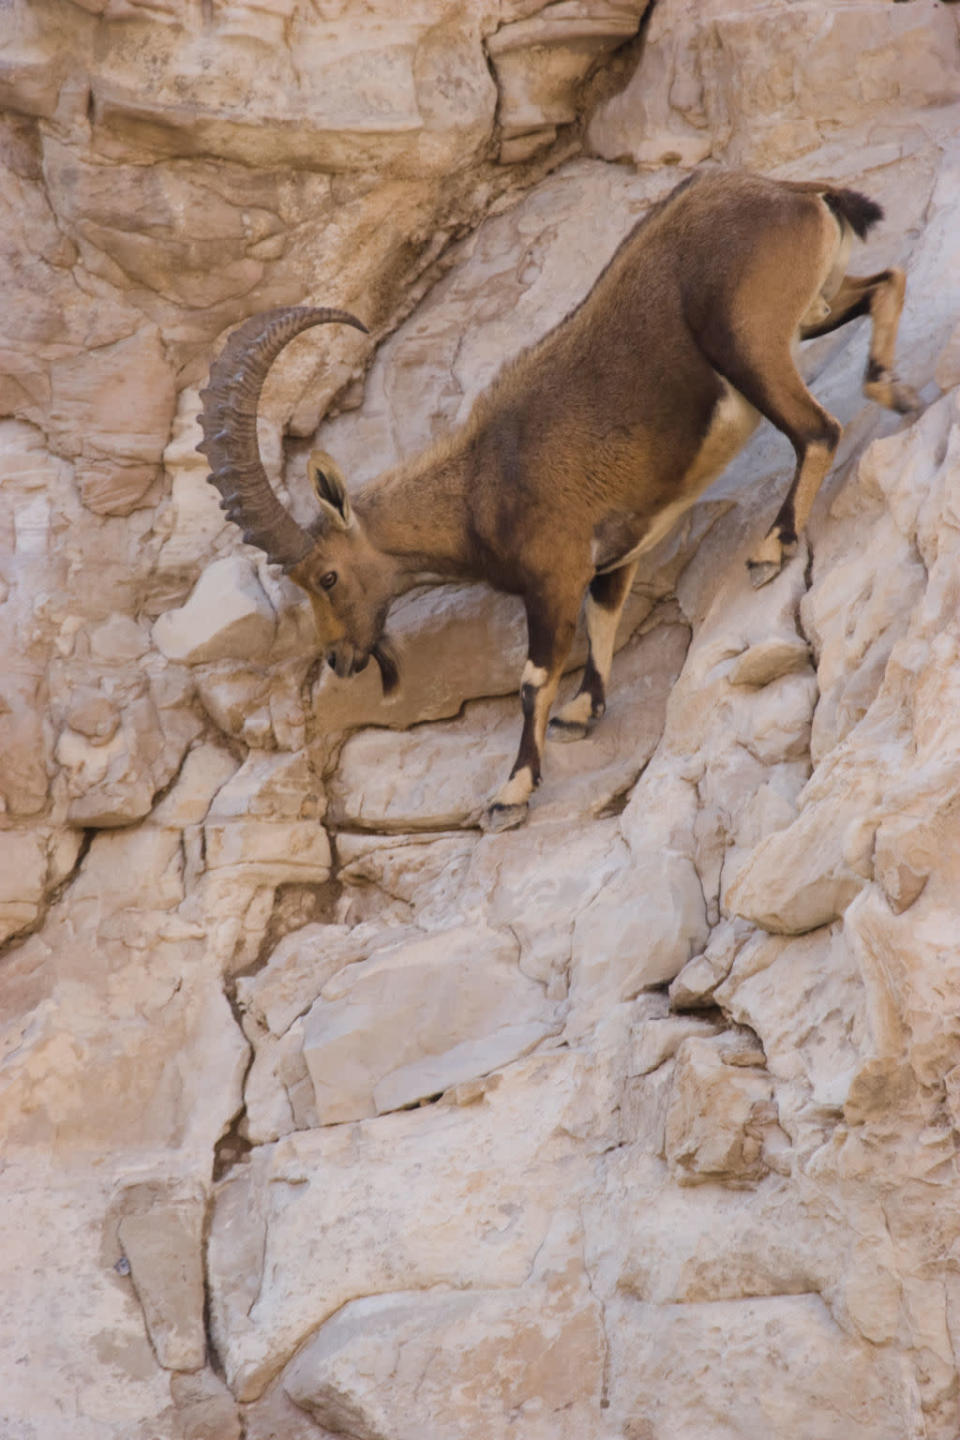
(416, 514)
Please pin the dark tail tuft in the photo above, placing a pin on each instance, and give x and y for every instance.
(859, 212)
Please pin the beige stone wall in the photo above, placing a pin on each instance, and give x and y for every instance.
(323, 1114)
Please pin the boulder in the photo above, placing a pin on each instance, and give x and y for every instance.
(228, 616)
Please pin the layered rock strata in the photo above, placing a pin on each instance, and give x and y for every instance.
(323, 1113)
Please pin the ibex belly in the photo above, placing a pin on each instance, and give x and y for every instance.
(732, 423)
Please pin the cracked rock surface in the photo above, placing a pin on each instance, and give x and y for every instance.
(323, 1113)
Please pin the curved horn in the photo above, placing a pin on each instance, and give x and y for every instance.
(229, 422)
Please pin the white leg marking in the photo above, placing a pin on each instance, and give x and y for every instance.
(602, 631)
(577, 711)
(533, 675)
(517, 790)
(768, 552)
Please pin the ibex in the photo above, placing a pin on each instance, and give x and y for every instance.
(588, 446)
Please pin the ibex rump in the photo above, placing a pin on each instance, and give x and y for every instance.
(589, 445)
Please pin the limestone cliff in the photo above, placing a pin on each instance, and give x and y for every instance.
(322, 1113)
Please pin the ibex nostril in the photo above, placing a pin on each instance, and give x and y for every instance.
(332, 660)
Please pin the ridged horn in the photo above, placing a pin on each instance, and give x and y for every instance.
(229, 423)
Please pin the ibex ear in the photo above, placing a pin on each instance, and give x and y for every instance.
(330, 489)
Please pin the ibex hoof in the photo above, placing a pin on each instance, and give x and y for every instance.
(893, 394)
(906, 401)
(503, 817)
(761, 572)
(566, 731)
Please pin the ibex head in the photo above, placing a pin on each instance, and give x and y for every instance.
(350, 583)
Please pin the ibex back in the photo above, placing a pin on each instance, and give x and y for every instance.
(589, 445)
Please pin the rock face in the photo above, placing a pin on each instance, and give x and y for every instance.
(323, 1113)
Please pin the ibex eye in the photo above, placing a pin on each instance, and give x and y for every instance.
(329, 580)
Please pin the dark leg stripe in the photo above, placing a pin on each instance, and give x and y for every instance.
(528, 755)
(592, 683)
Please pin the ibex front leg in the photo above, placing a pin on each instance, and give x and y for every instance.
(605, 601)
(550, 626)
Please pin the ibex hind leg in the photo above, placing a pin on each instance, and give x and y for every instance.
(605, 601)
(767, 376)
(881, 297)
(779, 545)
(814, 435)
(782, 396)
